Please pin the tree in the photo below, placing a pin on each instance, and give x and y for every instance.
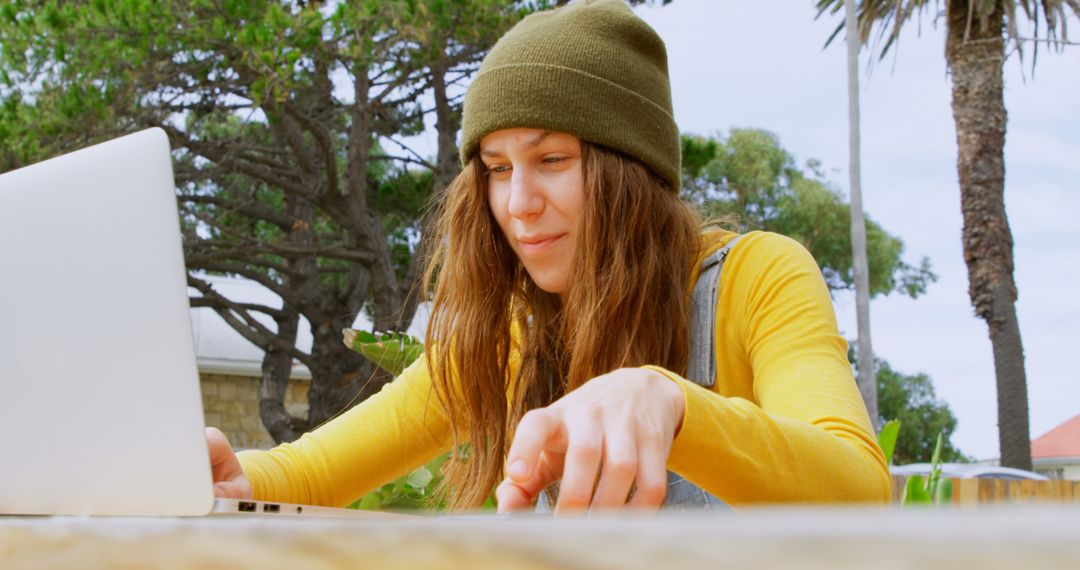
(750, 176)
(911, 399)
(867, 385)
(977, 35)
(282, 115)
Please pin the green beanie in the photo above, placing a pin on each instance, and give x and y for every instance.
(592, 69)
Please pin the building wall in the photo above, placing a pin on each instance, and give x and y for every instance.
(231, 404)
(1067, 470)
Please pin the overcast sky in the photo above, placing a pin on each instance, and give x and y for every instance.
(761, 64)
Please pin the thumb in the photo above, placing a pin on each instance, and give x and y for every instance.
(223, 462)
(235, 489)
(517, 494)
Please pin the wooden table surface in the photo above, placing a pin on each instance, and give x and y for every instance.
(1014, 538)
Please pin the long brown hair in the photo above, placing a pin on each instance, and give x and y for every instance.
(628, 305)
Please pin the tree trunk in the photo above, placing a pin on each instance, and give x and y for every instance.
(975, 52)
(276, 369)
(447, 123)
(867, 378)
(342, 378)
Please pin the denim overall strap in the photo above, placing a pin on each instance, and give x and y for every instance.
(682, 495)
(701, 369)
(701, 366)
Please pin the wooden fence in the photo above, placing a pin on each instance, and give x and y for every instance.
(970, 492)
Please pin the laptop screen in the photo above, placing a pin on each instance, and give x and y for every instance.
(100, 406)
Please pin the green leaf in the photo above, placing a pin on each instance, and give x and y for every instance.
(935, 460)
(370, 502)
(887, 439)
(915, 492)
(219, 28)
(943, 493)
(10, 13)
(420, 478)
(393, 352)
(935, 469)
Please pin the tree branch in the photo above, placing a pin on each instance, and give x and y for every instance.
(249, 208)
(415, 161)
(245, 251)
(286, 295)
(249, 327)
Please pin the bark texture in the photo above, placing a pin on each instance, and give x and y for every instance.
(975, 51)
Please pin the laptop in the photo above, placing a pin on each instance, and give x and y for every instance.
(100, 407)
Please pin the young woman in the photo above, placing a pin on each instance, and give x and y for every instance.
(561, 329)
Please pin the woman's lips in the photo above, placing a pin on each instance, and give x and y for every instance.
(538, 245)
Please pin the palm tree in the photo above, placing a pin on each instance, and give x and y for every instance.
(978, 32)
(867, 378)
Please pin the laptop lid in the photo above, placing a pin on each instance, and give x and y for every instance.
(100, 410)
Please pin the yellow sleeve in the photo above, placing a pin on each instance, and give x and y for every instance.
(378, 440)
(784, 420)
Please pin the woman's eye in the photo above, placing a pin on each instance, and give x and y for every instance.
(498, 169)
(553, 159)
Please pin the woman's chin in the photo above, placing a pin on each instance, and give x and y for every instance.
(550, 284)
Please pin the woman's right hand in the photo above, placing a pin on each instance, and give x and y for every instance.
(229, 479)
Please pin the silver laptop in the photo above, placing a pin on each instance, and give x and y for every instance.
(100, 410)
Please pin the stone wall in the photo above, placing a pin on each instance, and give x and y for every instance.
(231, 404)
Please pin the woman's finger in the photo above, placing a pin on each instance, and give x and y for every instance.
(223, 462)
(512, 495)
(584, 451)
(228, 476)
(236, 489)
(538, 430)
(618, 469)
(651, 479)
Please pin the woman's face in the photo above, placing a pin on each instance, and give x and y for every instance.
(536, 192)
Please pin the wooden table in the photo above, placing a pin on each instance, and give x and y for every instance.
(1009, 538)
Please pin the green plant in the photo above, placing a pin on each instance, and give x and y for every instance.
(929, 490)
(394, 352)
(887, 439)
(919, 490)
(391, 351)
(414, 491)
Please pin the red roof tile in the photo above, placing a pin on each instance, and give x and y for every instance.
(1062, 441)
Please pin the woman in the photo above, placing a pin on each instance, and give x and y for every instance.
(561, 325)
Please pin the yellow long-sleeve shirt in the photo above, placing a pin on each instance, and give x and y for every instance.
(783, 421)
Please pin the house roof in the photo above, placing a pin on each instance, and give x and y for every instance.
(222, 350)
(1062, 441)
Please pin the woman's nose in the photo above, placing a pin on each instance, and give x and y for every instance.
(526, 199)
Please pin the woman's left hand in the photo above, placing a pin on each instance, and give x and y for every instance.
(612, 433)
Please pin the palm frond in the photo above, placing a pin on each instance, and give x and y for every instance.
(888, 17)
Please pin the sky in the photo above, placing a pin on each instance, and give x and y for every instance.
(762, 64)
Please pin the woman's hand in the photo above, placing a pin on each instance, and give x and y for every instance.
(229, 479)
(612, 434)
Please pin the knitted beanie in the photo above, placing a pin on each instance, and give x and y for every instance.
(592, 69)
